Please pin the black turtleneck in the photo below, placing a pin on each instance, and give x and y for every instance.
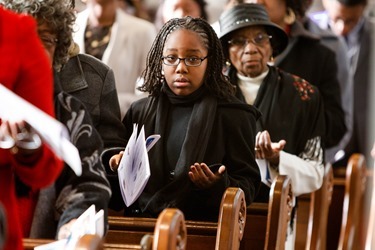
(178, 120)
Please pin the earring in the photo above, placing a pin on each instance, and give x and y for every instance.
(271, 61)
(290, 16)
(228, 64)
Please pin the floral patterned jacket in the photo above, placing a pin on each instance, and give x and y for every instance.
(71, 195)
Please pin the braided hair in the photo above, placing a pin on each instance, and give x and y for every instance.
(215, 81)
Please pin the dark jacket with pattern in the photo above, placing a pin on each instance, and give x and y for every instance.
(71, 195)
(306, 57)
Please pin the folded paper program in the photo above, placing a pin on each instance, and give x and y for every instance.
(134, 168)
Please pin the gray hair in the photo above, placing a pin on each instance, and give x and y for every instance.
(57, 14)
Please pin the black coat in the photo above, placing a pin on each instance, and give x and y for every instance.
(306, 57)
(231, 142)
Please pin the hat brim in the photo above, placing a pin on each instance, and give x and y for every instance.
(279, 40)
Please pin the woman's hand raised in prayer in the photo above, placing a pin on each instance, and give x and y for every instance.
(268, 150)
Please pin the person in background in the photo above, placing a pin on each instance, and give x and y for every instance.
(57, 206)
(120, 40)
(290, 132)
(202, 125)
(348, 19)
(28, 75)
(336, 44)
(169, 9)
(135, 7)
(306, 57)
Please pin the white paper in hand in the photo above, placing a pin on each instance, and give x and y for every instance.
(52, 132)
(134, 168)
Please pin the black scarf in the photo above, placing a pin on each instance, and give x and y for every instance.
(160, 192)
(283, 115)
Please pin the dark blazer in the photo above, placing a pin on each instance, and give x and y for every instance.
(93, 83)
(306, 57)
(362, 81)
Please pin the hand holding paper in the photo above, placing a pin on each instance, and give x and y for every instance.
(134, 168)
(52, 132)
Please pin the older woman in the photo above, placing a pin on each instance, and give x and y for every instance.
(291, 129)
(307, 57)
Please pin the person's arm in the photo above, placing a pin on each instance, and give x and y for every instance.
(77, 193)
(34, 84)
(306, 170)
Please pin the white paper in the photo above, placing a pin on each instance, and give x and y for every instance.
(134, 168)
(264, 172)
(99, 223)
(52, 132)
(85, 224)
(89, 222)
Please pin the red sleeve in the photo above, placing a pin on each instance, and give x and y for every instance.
(29, 75)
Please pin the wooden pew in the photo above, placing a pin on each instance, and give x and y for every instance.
(350, 234)
(312, 214)
(370, 235)
(267, 223)
(225, 234)
(169, 234)
(318, 214)
(335, 217)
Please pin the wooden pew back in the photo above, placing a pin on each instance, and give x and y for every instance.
(319, 208)
(353, 199)
(224, 234)
(169, 234)
(267, 223)
(279, 212)
(232, 219)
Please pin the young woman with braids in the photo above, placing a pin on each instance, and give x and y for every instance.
(192, 106)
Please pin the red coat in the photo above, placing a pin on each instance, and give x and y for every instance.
(25, 69)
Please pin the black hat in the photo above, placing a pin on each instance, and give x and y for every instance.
(248, 14)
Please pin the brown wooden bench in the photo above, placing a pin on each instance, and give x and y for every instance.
(352, 217)
(318, 216)
(370, 235)
(312, 215)
(225, 234)
(169, 234)
(267, 223)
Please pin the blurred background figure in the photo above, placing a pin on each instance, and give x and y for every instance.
(169, 9)
(336, 44)
(27, 72)
(136, 8)
(349, 20)
(120, 40)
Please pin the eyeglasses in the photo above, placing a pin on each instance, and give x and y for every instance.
(259, 40)
(189, 61)
(49, 42)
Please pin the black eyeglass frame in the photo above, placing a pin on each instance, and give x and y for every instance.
(252, 40)
(178, 60)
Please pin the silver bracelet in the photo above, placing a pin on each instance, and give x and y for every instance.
(28, 141)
